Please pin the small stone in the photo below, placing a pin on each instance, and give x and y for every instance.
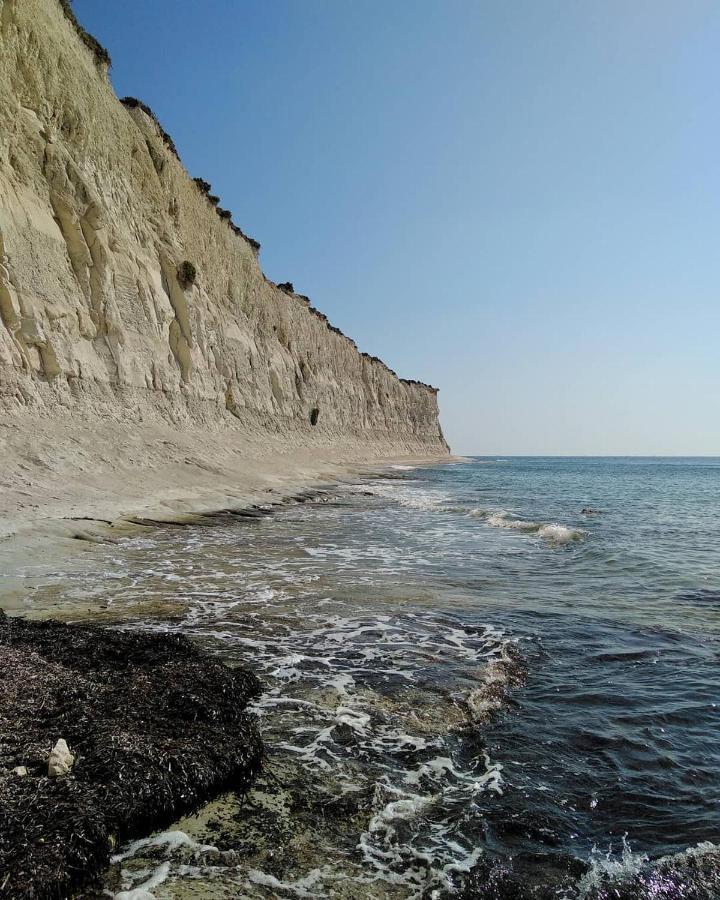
(60, 760)
(20, 771)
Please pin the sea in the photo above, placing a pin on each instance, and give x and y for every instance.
(492, 678)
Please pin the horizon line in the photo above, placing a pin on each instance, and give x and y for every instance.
(593, 455)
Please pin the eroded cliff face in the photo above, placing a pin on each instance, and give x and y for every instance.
(98, 318)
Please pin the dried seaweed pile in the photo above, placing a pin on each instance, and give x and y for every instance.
(156, 727)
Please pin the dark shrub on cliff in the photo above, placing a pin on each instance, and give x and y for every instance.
(186, 273)
(205, 187)
(92, 43)
(134, 103)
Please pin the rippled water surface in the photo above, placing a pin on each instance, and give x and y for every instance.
(490, 679)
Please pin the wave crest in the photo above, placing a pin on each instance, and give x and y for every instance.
(501, 675)
(692, 873)
(552, 532)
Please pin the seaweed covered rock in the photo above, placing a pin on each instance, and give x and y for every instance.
(156, 728)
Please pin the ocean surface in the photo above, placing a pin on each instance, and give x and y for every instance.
(498, 678)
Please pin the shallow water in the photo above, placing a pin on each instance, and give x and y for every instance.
(473, 687)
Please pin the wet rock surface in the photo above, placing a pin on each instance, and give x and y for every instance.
(156, 728)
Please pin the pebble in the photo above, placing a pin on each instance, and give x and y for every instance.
(60, 760)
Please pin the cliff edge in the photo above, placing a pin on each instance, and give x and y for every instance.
(129, 299)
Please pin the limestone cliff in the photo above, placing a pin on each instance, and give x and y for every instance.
(127, 294)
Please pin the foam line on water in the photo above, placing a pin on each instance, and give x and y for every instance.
(409, 494)
(143, 891)
(166, 840)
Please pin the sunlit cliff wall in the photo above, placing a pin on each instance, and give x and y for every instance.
(97, 216)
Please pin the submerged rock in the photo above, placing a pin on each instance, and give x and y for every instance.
(156, 726)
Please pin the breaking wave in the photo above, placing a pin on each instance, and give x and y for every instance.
(693, 874)
(552, 532)
(407, 494)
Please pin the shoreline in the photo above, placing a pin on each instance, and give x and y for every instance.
(56, 668)
(97, 488)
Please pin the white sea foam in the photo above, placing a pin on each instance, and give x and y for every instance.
(552, 532)
(609, 869)
(143, 891)
(560, 534)
(498, 677)
(609, 866)
(346, 722)
(167, 840)
(368, 553)
(422, 870)
(303, 887)
(406, 494)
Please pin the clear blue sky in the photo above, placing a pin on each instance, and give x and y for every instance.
(516, 200)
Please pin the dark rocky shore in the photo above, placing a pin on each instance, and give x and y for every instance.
(155, 726)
